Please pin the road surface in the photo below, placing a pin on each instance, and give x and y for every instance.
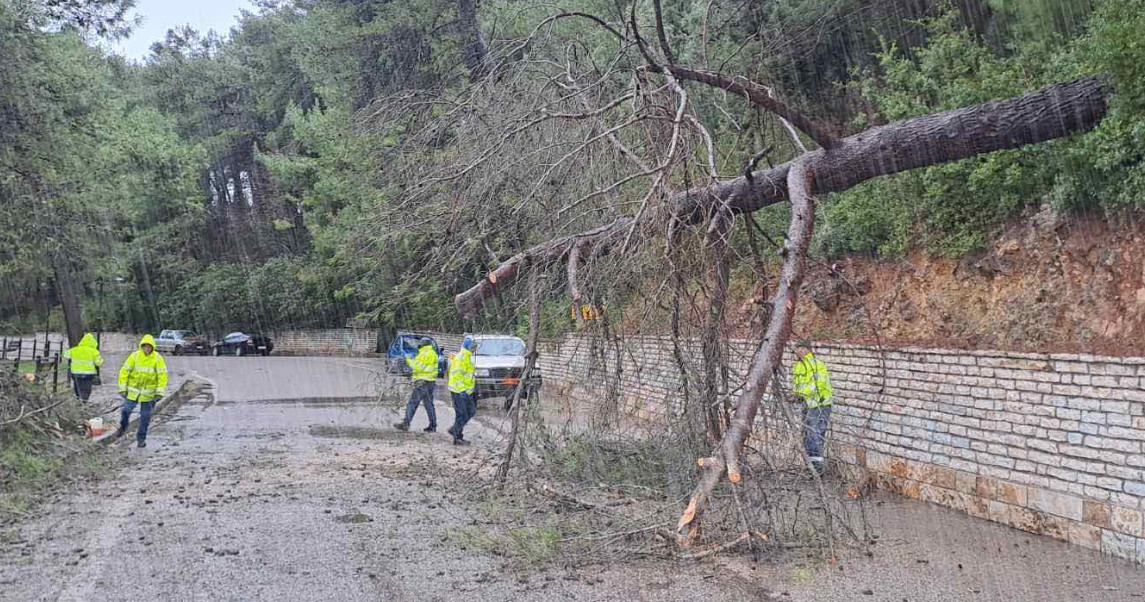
(288, 484)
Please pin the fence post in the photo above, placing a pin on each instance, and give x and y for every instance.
(19, 354)
(56, 373)
(4, 349)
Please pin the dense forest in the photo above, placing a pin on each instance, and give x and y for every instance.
(335, 160)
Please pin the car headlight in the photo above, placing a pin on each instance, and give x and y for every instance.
(481, 372)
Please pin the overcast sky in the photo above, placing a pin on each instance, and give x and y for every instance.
(161, 15)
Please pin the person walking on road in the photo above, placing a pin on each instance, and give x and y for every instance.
(142, 382)
(461, 384)
(811, 381)
(84, 362)
(424, 367)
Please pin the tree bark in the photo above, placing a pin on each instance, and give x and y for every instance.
(726, 457)
(1047, 114)
(713, 343)
(526, 374)
(70, 293)
(475, 49)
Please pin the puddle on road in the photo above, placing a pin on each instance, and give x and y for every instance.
(353, 518)
(359, 432)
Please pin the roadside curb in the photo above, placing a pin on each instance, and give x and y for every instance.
(109, 436)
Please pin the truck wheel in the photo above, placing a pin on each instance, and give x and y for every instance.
(178, 350)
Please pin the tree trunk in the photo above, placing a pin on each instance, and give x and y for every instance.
(713, 341)
(1047, 114)
(530, 362)
(70, 292)
(475, 50)
(725, 458)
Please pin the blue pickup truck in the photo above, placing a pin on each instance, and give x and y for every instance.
(405, 346)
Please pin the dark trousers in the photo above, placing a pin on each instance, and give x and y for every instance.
(422, 394)
(144, 417)
(81, 385)
(815, 431)
(464, 408)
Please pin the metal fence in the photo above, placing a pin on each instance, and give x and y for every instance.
(43, 356)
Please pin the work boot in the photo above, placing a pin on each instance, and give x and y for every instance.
(401, 426)
(460, 441)
(452, 431)
(119, 432)
(430, 429)
(141, 444)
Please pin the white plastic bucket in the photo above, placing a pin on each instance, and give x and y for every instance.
(96, 426)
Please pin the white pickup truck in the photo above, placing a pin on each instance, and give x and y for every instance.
(498, 361)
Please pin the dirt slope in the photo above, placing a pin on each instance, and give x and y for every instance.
(1047, 284)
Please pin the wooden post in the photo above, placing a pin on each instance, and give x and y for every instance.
(56, 373)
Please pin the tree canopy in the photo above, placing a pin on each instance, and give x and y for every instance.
(326, 160)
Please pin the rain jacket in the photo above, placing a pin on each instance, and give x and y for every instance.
(461, 372)
(810, 380)
(143, 378)
(424, 365)
(85, 357)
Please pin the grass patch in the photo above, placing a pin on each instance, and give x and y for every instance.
(640, 464)
(532, 546)
(45, 449)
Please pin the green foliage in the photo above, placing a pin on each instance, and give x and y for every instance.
(956, 208)
(261, 179)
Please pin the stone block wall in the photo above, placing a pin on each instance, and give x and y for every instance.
(333, 341)
(1048, 443)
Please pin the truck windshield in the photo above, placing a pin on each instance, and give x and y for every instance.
(501, 347)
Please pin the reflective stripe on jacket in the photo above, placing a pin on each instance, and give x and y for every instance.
(809, 379)
(424, 365)
(143, 377)
(84, 357)
(461, 372)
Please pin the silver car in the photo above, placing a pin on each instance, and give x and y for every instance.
(179, 342)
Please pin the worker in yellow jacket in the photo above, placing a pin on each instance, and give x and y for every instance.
(424, 373)
(811, 381)
(142, 382)
(461, 384)
(84, 361)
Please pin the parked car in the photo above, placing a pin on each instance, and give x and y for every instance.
(498, 362)
(179, 342)
(405, 346)
(239, 344)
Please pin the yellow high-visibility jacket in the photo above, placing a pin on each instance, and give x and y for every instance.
(424, 364)
(85, 357)
(143, 377)
(461, 372)
(809, 379)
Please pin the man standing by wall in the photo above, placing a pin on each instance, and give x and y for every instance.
(142, 382)
(810, 380)
(424, 367)
(84, 359)
(461, 384)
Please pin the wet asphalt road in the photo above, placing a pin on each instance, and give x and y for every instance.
(287, 483)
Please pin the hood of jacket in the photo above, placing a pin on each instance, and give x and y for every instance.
(88, 341)
(147, 340)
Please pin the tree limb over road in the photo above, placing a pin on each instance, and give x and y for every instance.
(1050, 113)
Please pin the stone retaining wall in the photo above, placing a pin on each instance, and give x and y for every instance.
(1051, 444)
(332, 341)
